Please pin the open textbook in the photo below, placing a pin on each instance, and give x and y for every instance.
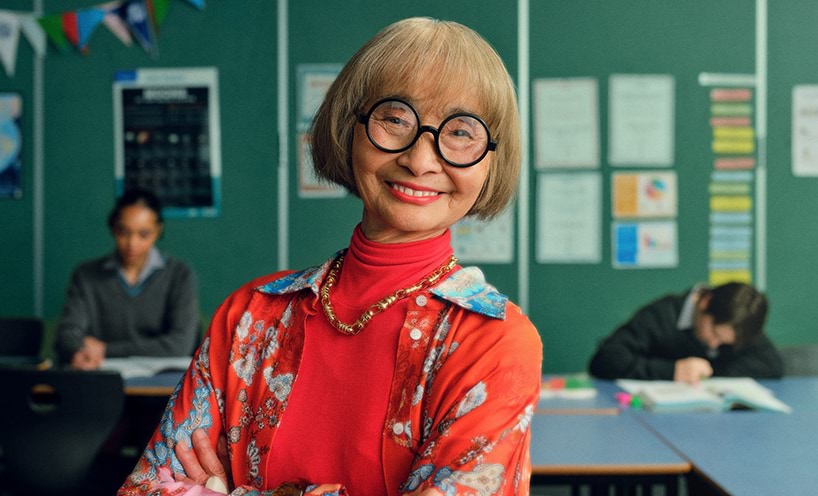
(711, 395)
(144, 366)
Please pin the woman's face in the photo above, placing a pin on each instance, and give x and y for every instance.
(415, 194)
(135, 233)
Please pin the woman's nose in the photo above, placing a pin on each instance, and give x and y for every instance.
(422, 157)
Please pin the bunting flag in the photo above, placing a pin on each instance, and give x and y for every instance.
(87, 22)
(125, 19)
(135, 15)
(9, 38)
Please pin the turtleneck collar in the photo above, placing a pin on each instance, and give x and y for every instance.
(372, 270)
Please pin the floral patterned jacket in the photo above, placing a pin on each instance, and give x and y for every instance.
(465, 388)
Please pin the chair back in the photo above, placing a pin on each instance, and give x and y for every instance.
(52, 426)
(800, 360)
(21, 337)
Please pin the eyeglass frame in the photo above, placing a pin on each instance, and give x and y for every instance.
(363, 118)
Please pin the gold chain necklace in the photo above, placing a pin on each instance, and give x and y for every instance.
(380, 306)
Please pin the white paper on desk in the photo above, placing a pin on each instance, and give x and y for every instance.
(143, 366)
(566, 123)
(569, 217)
(641, 123)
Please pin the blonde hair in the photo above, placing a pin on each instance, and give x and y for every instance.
(416, 53)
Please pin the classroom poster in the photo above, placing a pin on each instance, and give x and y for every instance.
(11, 142)
(313, 81)
(566, 123)
(569, 217)
(641, 120)
(167, 137)
(645, 245)
(644, 194)
(731, 231)
(805, 130)
(478, 241)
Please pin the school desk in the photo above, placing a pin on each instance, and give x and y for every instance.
(602, 450)
(158, 385)
(603, 403)
(801, 393)
(745, 452)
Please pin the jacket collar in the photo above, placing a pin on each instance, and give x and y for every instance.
(466, 288)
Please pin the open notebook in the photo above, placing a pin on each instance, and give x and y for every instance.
(143, 366)
(716, 394)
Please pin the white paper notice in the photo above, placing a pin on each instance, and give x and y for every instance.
(641, 120)
(805, 130)
(566, 123)
(475, 240)
(569, 218)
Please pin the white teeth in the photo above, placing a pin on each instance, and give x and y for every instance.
(412, 192)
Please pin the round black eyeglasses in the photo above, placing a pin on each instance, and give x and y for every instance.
(393, 126)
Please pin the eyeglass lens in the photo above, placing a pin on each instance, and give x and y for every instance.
(393, 126)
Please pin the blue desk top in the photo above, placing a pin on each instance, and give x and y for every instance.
(599, 445)
(745, 452)
(161, 384)
(801, 393)
(603, 403)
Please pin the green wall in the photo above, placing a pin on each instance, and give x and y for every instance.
(572, 305)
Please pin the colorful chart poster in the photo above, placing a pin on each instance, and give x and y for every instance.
(644, 194)
(313, 82)
(167, 137)
(641, 120)
(645, 245)
(477, 241)
(569, 217)
(11, 142)
(566, 123)
(805, 130)
(731, 185)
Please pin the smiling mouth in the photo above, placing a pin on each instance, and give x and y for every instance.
(413, 192)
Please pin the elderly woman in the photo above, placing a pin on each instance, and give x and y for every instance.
(389, 369)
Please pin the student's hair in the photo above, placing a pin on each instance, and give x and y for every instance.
(741, 306)
(442, 57)
(135, 196)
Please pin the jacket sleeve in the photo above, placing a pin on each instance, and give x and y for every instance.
(476, 434)
(627, 353)
(196, 403)
(760, 360)
(181, 323)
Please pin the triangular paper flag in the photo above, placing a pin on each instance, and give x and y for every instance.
(117, 26)
(9, 39)
(159, 10)
(199, 4)
(87, 22)
(34, 34)
(52, 25)
(70, 28)
(135, 15)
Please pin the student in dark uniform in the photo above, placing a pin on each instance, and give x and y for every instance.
(691, 336)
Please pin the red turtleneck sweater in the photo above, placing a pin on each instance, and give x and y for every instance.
(334, 422)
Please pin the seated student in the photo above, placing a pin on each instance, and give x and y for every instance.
(135, 301)
(691, 336)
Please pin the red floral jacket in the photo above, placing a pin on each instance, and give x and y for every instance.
(465, 388)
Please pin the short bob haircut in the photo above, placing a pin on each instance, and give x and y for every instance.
(429, 54)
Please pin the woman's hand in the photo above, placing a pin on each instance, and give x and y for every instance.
(204, 465)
